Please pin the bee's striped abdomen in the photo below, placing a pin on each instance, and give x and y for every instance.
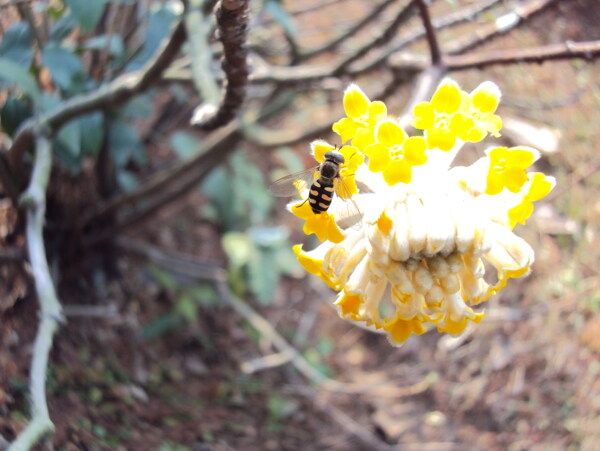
(320, 196)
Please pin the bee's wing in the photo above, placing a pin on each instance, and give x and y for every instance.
(350, 213)
(291, 184)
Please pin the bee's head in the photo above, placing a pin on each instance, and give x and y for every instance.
(335, 156)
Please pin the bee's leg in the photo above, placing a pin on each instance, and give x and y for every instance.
(299, 205)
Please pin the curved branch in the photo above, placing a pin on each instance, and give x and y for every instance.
(381, 39)
(119, 91)
(500, 26)
(568, 50)
(232, 22)
(374, 14)
(51, 315)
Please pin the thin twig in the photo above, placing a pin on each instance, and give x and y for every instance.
(568, 50)
(381, 39)
(373, 15)
(216, 144)
(51, 314)
(119, 91)
(432, 41)
(232, 22)
(499, 27)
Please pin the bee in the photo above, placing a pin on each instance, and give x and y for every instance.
(322, 187)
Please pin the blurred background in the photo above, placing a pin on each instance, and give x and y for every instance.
(190, 325)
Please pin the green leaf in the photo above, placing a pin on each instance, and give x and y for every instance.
(187, 308)
(12, 73)
(127, 181)
(69, 137)
(158, 29)
(185, 144)
(87, 12)
(17, 45)
(263, 274)
(204, 294)
(163, 278)
(64, 66)
(160, 326)
(92, 133)
(238, 248)
(218, 189)
(13, 113)
(113, 43)
(122, 140)
(62, 28)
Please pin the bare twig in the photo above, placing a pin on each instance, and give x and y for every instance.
(446, 21)
(500, 26)
(373, 15)
(119, 91)
(25, 12)
(51, 315)
(186, 266)
(232, 22)
(434, 48)
(217, 147)
(12, 255)
(381, 39)
(568, 50)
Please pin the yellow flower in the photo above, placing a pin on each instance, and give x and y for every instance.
(423, 253)
(394, 153)
(361, 117)
(323, 224)
(453, 115)
(539, 186)
(508, 168)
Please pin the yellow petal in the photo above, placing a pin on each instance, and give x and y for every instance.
(414, 151)
(400, 330)
(492, 123)
(541, 185)
(390, 134)
(356, 103)
(349, 304)
(346, 128)
(317, 224)
(353, 158)
(520, 213)
(442, 138)
(384, 223)
(521, 157)
(494, 184)
(461, 124)
(311, 265)
(476, 134)
(334, 233)
(397, 171)
(377, 110)
(319, 148)
(514, 179)
(447, 97)
(423, 116)
(363, 138)
(379, 157)
(486, 97)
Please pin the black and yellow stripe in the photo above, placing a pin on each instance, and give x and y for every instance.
(320, 196)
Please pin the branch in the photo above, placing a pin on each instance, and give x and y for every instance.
(568, 50)
(119, 91)
(167, 186)
(374, 14)
(232, 22)
(434, 48)
(446, 21)
(51, 315)
(500, 26)
(381, 39)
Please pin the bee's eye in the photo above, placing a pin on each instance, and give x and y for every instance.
(334, 156)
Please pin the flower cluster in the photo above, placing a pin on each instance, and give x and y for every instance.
(432, 241)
